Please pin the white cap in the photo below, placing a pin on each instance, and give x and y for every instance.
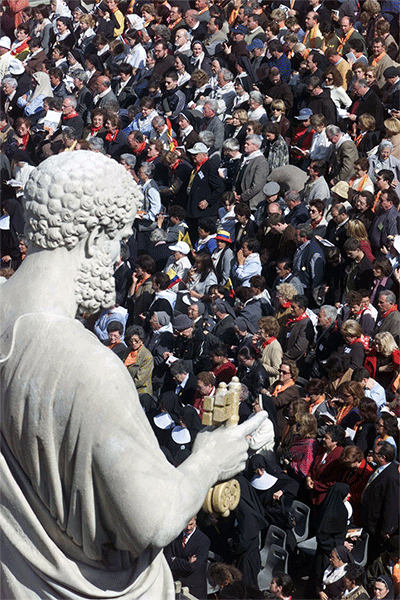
(16, 67)
(5, 42)
(199, 148)
(180, 247)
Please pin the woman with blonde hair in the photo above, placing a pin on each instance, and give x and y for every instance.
(383, 360)
(366, 136)
(277, 113)
(271, 350)
(285, 292)
(392, 133)
(352, 352)
(370, 77)
(236, 125)
(356, 229)
(304, 447)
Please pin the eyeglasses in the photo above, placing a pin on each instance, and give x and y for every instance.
(328, 78)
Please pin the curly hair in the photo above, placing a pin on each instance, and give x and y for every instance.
(68, 196)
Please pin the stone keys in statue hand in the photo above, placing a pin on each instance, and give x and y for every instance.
(223, 408)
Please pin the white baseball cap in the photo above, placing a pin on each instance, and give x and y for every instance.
(5, 42)
(180, 247)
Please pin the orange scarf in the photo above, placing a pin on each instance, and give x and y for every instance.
(344, 40)
(311, 34)
(139, 283)
(343, 412)
(376, 201)
(378, 58)
(362, 183)
(282, 387)
(132, 357)
(319, 401)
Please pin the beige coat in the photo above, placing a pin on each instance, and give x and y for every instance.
(271, 360)
(142, 371)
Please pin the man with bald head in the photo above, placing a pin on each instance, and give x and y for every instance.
(104, 93)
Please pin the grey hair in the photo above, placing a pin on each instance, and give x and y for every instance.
(385, 144)
(12, 82)
(158, 235)
(231, 144)
(255, 139)
(81, 75)
(147, 168)
(257, 97)
(330, 312)
(213, 104)
(185, 33)
(390, 296)
(70, 133)
(178, 367)
(333, 130)
(207, 137)
(73, 100)
(163, 32)
(130, 160)
(158, 120)
(228, 75)
(96, 144)
(293, 196)
(305, 230)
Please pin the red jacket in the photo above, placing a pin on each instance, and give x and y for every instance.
(324, 475)
(357, 481)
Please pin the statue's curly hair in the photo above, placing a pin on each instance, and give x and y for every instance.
(69, 195)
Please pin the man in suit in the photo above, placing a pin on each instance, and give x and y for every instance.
(253, 173)
(123, 274)
(10, 97)
(104, 93)
(366, 101)
(187, 558)
(212, 122)
(380, 499)
(204, 189)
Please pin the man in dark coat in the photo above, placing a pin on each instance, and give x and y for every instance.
(204, 189)
(299, 331)
(187, 558)
(366, 101)
(380, 499)
(309, 261)
(320, 101)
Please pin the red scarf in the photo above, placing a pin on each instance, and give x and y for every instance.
(300, 318)
(71, 116)
(392, 309)
(25, 140)
(175, 165)
(268, 342)
(198, 167)
(287, 304)
(149, 160)
(140, 149)
(110, 137)
(95, 129)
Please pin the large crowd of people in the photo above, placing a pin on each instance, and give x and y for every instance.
(265, 139)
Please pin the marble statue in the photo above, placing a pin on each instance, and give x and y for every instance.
(88, 498)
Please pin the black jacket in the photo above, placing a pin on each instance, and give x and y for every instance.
(191, 574)
(324, 105)
(207, 185)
